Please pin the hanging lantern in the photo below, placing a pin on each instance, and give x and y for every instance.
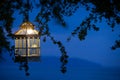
(27, 43)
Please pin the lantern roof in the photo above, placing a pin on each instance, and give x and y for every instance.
(27, 25)
(27, 28)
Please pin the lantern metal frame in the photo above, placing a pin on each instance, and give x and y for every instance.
(27, 45)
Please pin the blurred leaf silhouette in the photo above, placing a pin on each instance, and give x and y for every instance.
(23, 64)
(116, 45)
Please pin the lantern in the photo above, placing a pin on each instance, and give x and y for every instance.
(27, 43)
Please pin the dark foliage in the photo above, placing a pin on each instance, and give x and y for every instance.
(24, 65)
(117, 44)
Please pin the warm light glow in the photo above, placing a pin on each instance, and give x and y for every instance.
(34, 45)
(30, 31)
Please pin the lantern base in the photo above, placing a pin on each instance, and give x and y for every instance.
(28, 59)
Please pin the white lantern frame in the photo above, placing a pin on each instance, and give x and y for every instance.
(27, 41)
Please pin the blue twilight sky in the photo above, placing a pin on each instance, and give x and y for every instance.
(95, 48)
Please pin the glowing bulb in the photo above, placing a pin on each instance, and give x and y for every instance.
(34, 45)
(29, 31)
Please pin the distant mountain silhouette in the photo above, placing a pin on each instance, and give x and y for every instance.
(49, 69)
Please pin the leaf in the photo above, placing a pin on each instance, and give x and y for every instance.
(95, 28)
(82, 34)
